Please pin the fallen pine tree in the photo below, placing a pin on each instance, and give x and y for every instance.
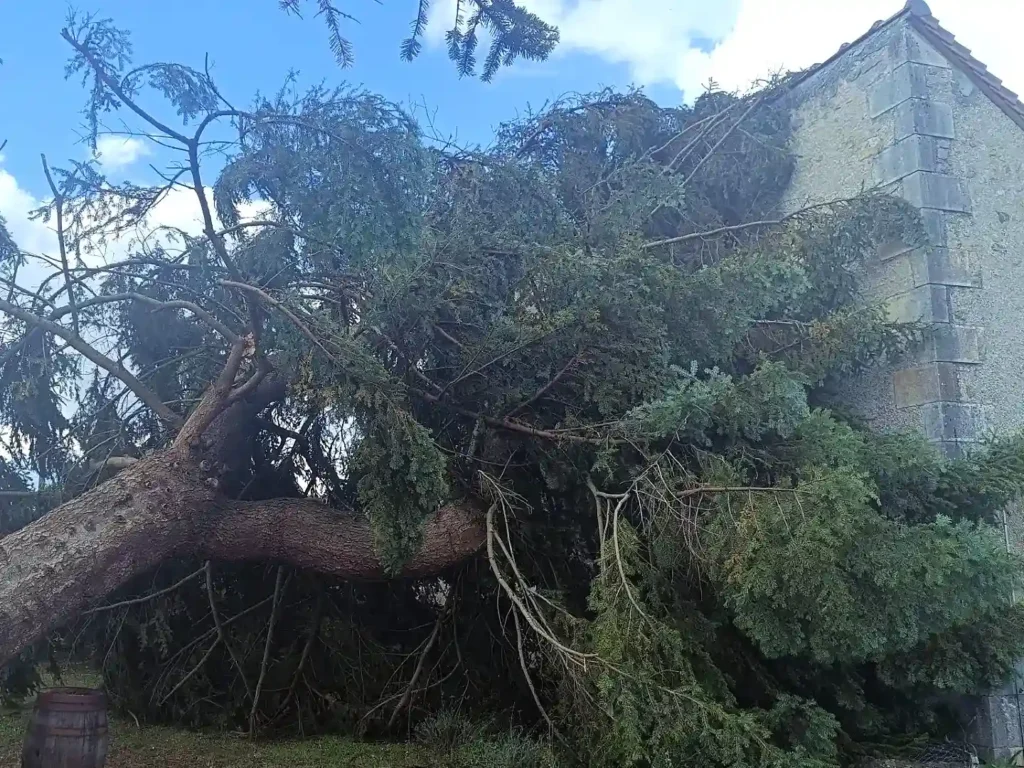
(546, 431)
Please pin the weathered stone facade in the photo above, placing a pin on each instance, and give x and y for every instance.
(899, 111)
(882, 116)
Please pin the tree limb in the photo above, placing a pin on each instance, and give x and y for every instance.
(144, 393)
(515, 426)
(58, 204)
(544, 389)
(109, 298)
(211, 232)
(216, 397)
(115, 86)
(278, 588)
(208, 569)
(407, 694)
(741, 227)
(161, 507)
(145, 598)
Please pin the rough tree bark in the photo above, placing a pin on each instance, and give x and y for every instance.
(167, 505)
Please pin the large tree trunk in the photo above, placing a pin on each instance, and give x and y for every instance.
(162, 507)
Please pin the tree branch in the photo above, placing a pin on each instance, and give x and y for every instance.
(144, 393)
(211, 232)
(741, 227)
(110, 298)
(216, 398)
(208, 569)
(58, 203)
(161, 507)
(280, 306)
(407, 694)
(545, 388)
(146, 598)
(115, 86)
(515, 426)
(278, 585)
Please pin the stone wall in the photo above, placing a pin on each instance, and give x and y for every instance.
(989, 155)
(891, 113)
(882, 116)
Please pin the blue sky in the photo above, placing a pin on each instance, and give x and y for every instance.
(670, 47)
(252, 44)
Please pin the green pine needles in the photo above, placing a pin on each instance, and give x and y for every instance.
(605, 328)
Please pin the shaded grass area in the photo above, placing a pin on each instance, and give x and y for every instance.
(133, 746)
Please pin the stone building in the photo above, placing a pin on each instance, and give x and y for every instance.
(906, 108)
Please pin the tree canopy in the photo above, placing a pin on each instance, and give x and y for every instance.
(547, 432)
(512, 32)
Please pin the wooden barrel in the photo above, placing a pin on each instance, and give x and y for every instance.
(68, 730)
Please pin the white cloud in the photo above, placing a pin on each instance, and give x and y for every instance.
(652, 37)
(777, 35)
(664, 41)
(117, 152)
(771, 36)
(178, 211)
(15, 204)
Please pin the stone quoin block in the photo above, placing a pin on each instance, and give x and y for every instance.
(927, 304)
(924, 117)
(907, 46)
(936, 191)
(908, 81)
(931, 383)
(914, 153)
(949, 343)
(934, 234)
(996, 725)
(952, 421)
(938, 265)
(935, 231)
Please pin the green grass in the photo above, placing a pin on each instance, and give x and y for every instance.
(133, 747)
(137, 747)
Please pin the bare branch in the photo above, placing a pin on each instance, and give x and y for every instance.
(144, 393)
(447, 336)
(517, 602)
(724, 137)
(58, 203)
(407, 694)
(215, 238)
(515, 426)
(147, 598)
(208, 568)
(278, 583)
(196, 668)
(306, 649)
(226, 333)
(545, 388)
(280, 306)
(529, 677)
(741, 227)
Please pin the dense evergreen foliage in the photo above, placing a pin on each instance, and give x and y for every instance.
(693, 555)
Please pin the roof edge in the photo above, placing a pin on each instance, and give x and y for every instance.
(919, 16)
(877, 26)
(961, 57)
